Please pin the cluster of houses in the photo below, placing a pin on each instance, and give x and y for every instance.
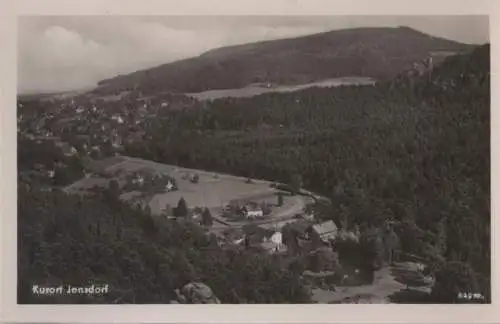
(250, 212)
(93, 126)
(309, 235)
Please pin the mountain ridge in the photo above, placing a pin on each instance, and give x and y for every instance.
(377, 52)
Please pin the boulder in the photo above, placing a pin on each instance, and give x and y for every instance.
(196, 293)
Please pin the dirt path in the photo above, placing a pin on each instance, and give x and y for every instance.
(383, 286)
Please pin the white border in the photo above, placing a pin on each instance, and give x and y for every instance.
(11, 312)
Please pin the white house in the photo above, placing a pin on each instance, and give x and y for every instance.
(250, 212)
(169, 186)
(277, 238)
(117, 118)
(274, 244)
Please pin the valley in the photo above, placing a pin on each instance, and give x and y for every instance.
(306, 186)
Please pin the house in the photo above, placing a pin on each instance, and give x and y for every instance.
(274, 244)
(239, 241)
(323, 232)
(67, 149)
(233, 236)
(277, 238)
(196, 214)
(118, 119)
(252, 212)
(139, 180)
(116, 142)
(194, 178)
(348, 235)
(308, 216)
(169, 186)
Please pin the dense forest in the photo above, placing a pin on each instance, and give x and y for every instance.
(100, 240)
(416, 151)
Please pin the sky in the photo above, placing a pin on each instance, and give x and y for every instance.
(59, 53)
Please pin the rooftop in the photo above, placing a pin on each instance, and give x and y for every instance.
(325, 228)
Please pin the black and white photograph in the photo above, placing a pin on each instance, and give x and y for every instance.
(253, 159)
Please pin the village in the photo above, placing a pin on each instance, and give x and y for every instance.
(237, 210)
(86, 129)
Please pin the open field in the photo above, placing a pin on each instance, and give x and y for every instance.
(254, 90)
(213, 191)
(210, 191)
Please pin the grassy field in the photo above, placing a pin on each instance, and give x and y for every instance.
(212, 190)
(253, 90)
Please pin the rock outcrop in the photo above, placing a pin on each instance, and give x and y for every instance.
(196, 293)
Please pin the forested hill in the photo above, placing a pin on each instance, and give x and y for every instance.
(417, 152)
(379, 53)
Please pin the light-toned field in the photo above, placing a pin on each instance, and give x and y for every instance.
(213, 191)
(253, 90)
(209, 192)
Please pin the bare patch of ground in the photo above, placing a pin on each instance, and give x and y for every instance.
(389, 286)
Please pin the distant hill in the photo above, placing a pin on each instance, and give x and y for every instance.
(380, 53)
(51, 95)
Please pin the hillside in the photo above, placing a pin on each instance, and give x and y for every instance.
(380, 53)
(414, 152)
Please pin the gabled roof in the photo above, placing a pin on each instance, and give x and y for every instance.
(325, 228)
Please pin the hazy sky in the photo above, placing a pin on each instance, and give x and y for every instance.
(72, 52)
